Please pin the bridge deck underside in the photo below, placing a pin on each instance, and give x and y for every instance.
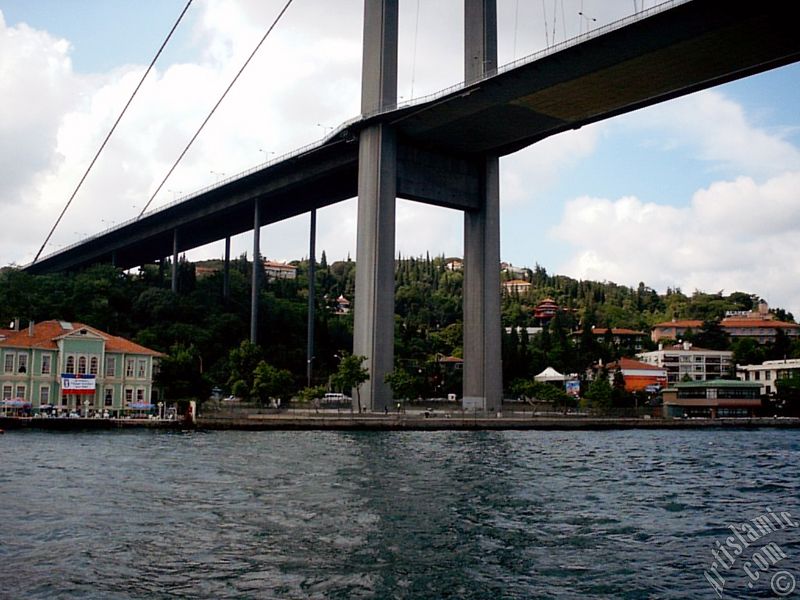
(690, 47)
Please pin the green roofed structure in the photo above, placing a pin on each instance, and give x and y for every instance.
(712, 399)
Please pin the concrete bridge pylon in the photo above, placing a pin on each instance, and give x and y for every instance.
(377, 193)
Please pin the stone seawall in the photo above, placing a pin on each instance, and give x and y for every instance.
(10, 423)
(418, 423)
(391, 423)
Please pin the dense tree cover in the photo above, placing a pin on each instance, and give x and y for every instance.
(788, 394)
(202, 333)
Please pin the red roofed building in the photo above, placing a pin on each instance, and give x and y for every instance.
(75, 367)
(545, 310)
(516, 286)
(638, 375)
(674, 330)
(763, 331)
(754, 325)
(278, 270)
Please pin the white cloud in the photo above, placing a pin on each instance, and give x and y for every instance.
(526, 176)
(713, 128)
(308, 72)
(734, 235)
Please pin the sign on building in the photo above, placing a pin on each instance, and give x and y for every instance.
(77, 384)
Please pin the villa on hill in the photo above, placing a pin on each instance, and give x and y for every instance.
(759, 324)
(277, 270)
(516, 286)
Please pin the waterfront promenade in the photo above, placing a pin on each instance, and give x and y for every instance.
(332, 421)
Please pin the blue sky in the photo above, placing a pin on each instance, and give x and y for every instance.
(699, 193)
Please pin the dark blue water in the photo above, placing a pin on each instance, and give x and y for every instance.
(630, 514)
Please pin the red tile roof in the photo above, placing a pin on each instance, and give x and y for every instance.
(630, 364)
(451, 359)
(516, 282)
(46, 334)
(683, 323)
(760, 323)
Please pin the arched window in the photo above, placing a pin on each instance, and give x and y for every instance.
(70, 364)
(93, 365)
(82, 365)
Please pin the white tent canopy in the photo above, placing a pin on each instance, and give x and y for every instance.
(550, 374)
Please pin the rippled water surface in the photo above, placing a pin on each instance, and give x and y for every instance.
(631, 514)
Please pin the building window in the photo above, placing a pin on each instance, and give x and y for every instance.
(44, 395)
(9, 363)
(64, 399)
(46, 367)
(7, 392)
(22, 363)
(93, 365)
(111, 366)
(21, 391)
(129, 367)
(128, 396)
(140, 395)
(109, 397)
(82, 365)
(758, 375)
(70, 368)
(142, 368)
(767, 375)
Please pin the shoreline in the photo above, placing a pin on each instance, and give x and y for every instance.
(293, 422)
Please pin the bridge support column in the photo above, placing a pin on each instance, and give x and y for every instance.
(255, 280)
(312, 294)
(483, 374)
(373, 335)
(226, 271)
(175, 260)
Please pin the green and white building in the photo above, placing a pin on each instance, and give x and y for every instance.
(72, 366)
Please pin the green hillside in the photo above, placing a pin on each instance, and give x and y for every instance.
(198, 328)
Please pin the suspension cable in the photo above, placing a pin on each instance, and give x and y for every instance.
(414, 59)
(105, 141)
(213, 110)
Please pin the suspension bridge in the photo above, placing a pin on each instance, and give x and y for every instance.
(444, 150)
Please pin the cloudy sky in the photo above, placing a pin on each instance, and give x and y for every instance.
(701, 193)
